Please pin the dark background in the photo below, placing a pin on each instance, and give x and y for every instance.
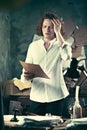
(18, 20)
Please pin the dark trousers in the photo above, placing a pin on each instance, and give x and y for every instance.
(54, 108)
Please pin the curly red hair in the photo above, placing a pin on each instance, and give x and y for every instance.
(50, 16)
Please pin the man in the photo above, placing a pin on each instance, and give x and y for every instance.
(48, 95)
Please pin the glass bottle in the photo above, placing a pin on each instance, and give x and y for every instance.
(77, 109)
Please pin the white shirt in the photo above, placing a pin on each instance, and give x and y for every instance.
(54, 88)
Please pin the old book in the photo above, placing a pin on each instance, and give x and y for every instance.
(80, 36)
(22, 85)
(69, 28)
(34, 69)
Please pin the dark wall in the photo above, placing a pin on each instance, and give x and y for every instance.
(23, 21)
(4, 45)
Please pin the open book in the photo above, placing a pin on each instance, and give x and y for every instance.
(34, 69)
(22, 85)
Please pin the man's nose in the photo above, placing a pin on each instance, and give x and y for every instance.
(48, 29)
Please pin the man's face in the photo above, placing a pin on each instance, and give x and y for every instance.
(48, 29)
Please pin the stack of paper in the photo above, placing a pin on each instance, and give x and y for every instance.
(34, 69)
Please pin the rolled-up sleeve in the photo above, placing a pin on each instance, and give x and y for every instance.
(66, 49)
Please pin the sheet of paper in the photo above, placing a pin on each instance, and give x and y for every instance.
(44, 118)
(80, 120)
(34, 69)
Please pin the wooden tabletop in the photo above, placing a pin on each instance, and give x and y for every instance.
(9, 123)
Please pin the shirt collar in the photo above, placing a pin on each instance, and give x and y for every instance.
(51, 42)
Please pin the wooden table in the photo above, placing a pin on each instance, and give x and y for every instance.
(16, 125)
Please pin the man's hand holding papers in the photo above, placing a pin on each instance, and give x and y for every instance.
(33, 70)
